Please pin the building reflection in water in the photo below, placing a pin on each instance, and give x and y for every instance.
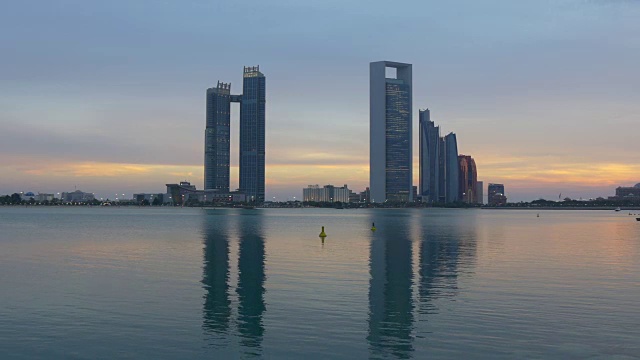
(447, 248)
(215, 277)
(390, 293)
(250, 289)
(251, 278)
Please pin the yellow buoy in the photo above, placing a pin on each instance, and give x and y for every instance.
(373, 226)
(322, 234)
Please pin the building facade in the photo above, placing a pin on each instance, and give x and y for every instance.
(496, 195)
(252, 136)
(77, 196)
(429, 169)
(138, 198)
(467, 179)
(179, 194)
(628, 192)
(480, 193)
(217, 139)
(390, 106)
(449, 154)
(327, 193)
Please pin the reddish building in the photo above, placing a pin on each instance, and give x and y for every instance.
(467, 179)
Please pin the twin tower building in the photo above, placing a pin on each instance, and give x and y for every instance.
(217, 153)
(391, 159)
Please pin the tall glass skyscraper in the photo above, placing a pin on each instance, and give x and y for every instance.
(217, 138)
(429, 158)
(390, 132)
(451, 167)
(252, 136)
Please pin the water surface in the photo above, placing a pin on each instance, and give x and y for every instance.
(147, 283)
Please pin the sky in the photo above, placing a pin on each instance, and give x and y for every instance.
(109, 96)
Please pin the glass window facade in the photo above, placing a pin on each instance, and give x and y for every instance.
(252, 135)
(217, 138)
(398, 140)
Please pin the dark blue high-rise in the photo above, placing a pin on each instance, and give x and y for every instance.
(217, 138)
(252, 136)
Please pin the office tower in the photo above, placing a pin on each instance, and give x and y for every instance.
(480, 193)
(217, 138)
(496, 195)
(429, 158)
(390, 157)
(451, 168)
(467, 179)
(442, 174)
(252, 134)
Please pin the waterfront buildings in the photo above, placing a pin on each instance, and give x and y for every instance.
(40, 197)
(27, 196)
(467, 179)
(327, 193)
(365, 196)
(180, 194)
(252, 136)
(390, 109)
(628, 192)
(496, 195)
(439, 170)
(480, 193)
(77, 196)
(157, 197)
(429, 171)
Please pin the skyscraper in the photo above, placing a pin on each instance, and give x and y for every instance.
(252, 136)
(467, 179)
(217, 138)
(480, 193)
(429, 158)
(451, 167)
(442, 173)
(390, 104)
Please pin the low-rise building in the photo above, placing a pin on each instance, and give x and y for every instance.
(138, 198)
(628, 192)
(496, 195)
(27, 196)
(77, 196)
(179, 194)
(327, 193)
(365, 196)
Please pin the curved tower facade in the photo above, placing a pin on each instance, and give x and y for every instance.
(467, 179)
(429, 158)
(451, 170)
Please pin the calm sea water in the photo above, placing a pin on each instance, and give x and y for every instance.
(104, 283)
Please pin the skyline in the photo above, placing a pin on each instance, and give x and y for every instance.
(117, 107)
